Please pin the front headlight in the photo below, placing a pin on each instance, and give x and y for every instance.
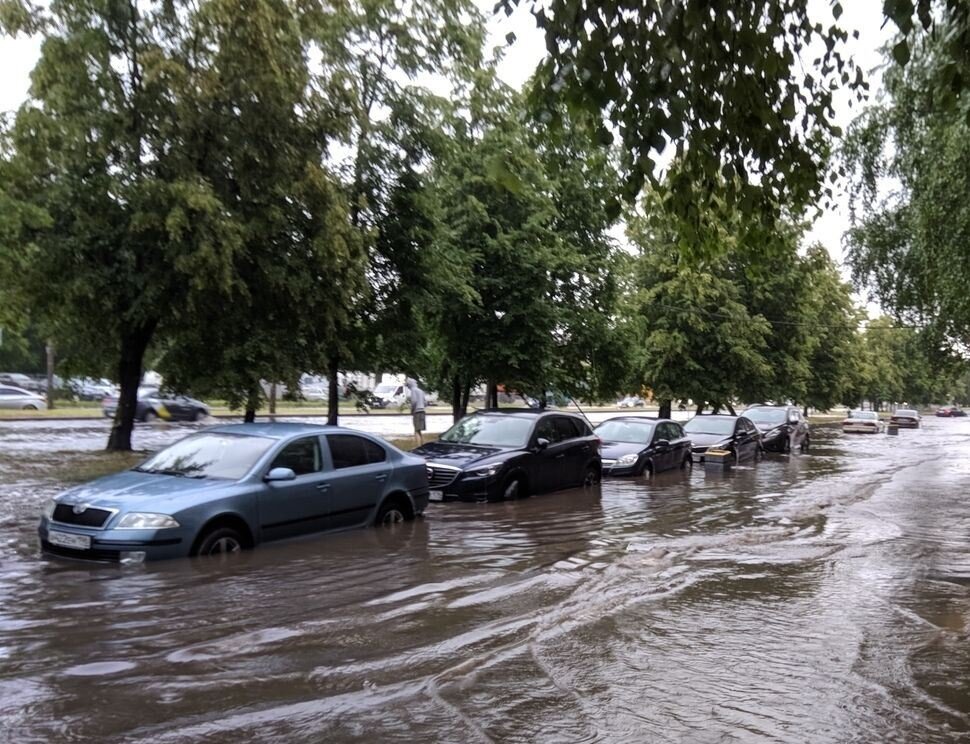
(49, 507)
(628, 459)
(146, 521)
(485, 471)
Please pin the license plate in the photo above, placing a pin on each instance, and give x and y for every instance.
(67, 540)
(436, 496)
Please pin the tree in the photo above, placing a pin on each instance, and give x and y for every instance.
(138, 226)
(727, 88)
(695, 336)
(908, 244)
(376, 52)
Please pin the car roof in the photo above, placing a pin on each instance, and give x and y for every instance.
(522, 412)
(768, 405)
(635, 419)
(279, 429)
(905, 410)
(716, 415)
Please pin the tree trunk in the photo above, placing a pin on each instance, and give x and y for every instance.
(731, 409)
(700, 409)
(542, 401)
(333, 394)
(716, 409)
(50, 375)
(664, 412)
(133, 346)
(491, 394)
(272, 398)
(250, 416)
(456, 409)
(466, 393)
(805, 412)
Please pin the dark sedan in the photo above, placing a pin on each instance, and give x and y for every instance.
(783, 428)
(154, 404)
(733, 434)
(905, 418)
(509, 453)
(634, 445)
(950, 412)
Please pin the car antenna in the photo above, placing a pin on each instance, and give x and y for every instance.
(582, 413)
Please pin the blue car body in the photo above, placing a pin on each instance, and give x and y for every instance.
(341, 494)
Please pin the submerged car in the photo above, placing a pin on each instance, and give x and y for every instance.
(862, 422)
(950, 412)
(154, 404)
(783, 428)
(735, 435)
(905, 418)
(509, 453)
(20, 399)
(635, 445)
(631, 401)
(231, 488)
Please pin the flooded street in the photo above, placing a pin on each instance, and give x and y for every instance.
(811, 598)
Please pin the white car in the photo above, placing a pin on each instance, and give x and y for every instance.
(862, 422)
(631, 401)
(21, 400)
(391, 394)
(315, 391)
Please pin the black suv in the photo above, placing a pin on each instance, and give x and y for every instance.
(507, 453)
(783, 428)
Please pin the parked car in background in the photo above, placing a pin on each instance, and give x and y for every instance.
(389, 395)
(19, 399)
(862, 422)
(87, 388)
(511, 452)
(734, 434)
(783, 428)
(231, 488)
(636, 445)
(631, 401)
(315, 391)
(905, 418)
(950, 412)
(154, 404)
(18, 380)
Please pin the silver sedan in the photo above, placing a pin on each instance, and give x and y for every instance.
(20, 399)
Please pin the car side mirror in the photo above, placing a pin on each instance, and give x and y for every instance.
(793, 418)
(662, 443)
(541, 444)
(280, 474)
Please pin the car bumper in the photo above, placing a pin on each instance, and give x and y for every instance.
(471, 489)
(612, 470)
(905, 424)
(775, 444)
(113, 546)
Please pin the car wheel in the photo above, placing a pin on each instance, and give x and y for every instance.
(30, 407)
(200, 415)
(647, 470)
(513, 489)
(221, 541)
(391, 512)
(688, 463)
(592, 476)
(787, 448)
(150, 416)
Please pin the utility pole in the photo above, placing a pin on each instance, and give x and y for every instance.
(50, 374)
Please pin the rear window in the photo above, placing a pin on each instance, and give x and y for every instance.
(906, 412)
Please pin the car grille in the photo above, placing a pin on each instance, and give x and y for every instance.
(441, 475)
(90, 517)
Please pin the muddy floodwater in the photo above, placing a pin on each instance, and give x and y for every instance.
(811, 598)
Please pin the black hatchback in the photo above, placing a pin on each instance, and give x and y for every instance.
(637, 445)
(783, 428)
(733, 434)
(509, 453)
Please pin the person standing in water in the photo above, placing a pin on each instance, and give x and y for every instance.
(417, 397)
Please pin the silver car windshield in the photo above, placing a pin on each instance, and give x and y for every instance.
(502, 431)
(223, 456)
(634, 432)
(864, 415)
(710, 425)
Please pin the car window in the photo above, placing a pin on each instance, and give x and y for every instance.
(546, 429)
(566, 428)
(301, 456)
(676, 431)
(8, 391)
(350, 451)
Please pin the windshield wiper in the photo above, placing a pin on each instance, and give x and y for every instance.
(165, 471)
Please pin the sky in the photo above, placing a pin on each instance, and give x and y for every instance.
(18, 56)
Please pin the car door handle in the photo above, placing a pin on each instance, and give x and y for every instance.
(323, 487)
(382, 477)
(560, 457)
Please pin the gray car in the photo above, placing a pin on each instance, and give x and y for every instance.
(229, 488)
(20, 399)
